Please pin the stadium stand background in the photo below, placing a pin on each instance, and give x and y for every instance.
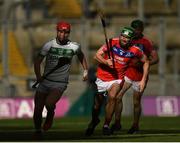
(31, 23)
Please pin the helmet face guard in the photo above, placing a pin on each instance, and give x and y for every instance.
(128, 34)
(63, 31)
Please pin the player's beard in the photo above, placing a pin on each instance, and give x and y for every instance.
(62, 41)
(123, 45)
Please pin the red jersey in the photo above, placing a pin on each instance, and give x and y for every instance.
(135, 69)
(122, 58)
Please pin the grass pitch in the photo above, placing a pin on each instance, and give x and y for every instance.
(71, 129)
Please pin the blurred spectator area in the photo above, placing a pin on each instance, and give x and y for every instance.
(18, 70)
(16, 60)
(65, 8)
(53, 8)
(131, 7)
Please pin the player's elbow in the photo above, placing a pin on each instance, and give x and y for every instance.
(96, 57)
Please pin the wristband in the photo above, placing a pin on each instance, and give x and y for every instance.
(85, 73)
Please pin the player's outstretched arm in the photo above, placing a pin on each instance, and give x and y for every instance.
(84, 64)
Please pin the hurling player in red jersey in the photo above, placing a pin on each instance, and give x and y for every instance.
(133, 76)
(110, 74)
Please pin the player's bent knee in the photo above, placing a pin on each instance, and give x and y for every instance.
(112, 97)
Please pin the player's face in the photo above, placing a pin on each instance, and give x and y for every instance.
(138, 32)
(63, 34)
(124, 40)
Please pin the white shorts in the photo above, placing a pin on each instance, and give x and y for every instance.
(46, 85)
(103, 86)
(135, 84)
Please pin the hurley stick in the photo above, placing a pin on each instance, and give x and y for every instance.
(61, 62)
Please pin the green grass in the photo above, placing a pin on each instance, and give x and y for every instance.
(163, 129)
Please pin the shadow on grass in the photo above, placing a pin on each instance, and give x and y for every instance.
(152, 131)
(67, 135)
(47, 136)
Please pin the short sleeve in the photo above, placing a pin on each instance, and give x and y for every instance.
(45, 49)
(77, 48)
(137, 50)
(104, 48)
(114, 42)
(148, 46)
